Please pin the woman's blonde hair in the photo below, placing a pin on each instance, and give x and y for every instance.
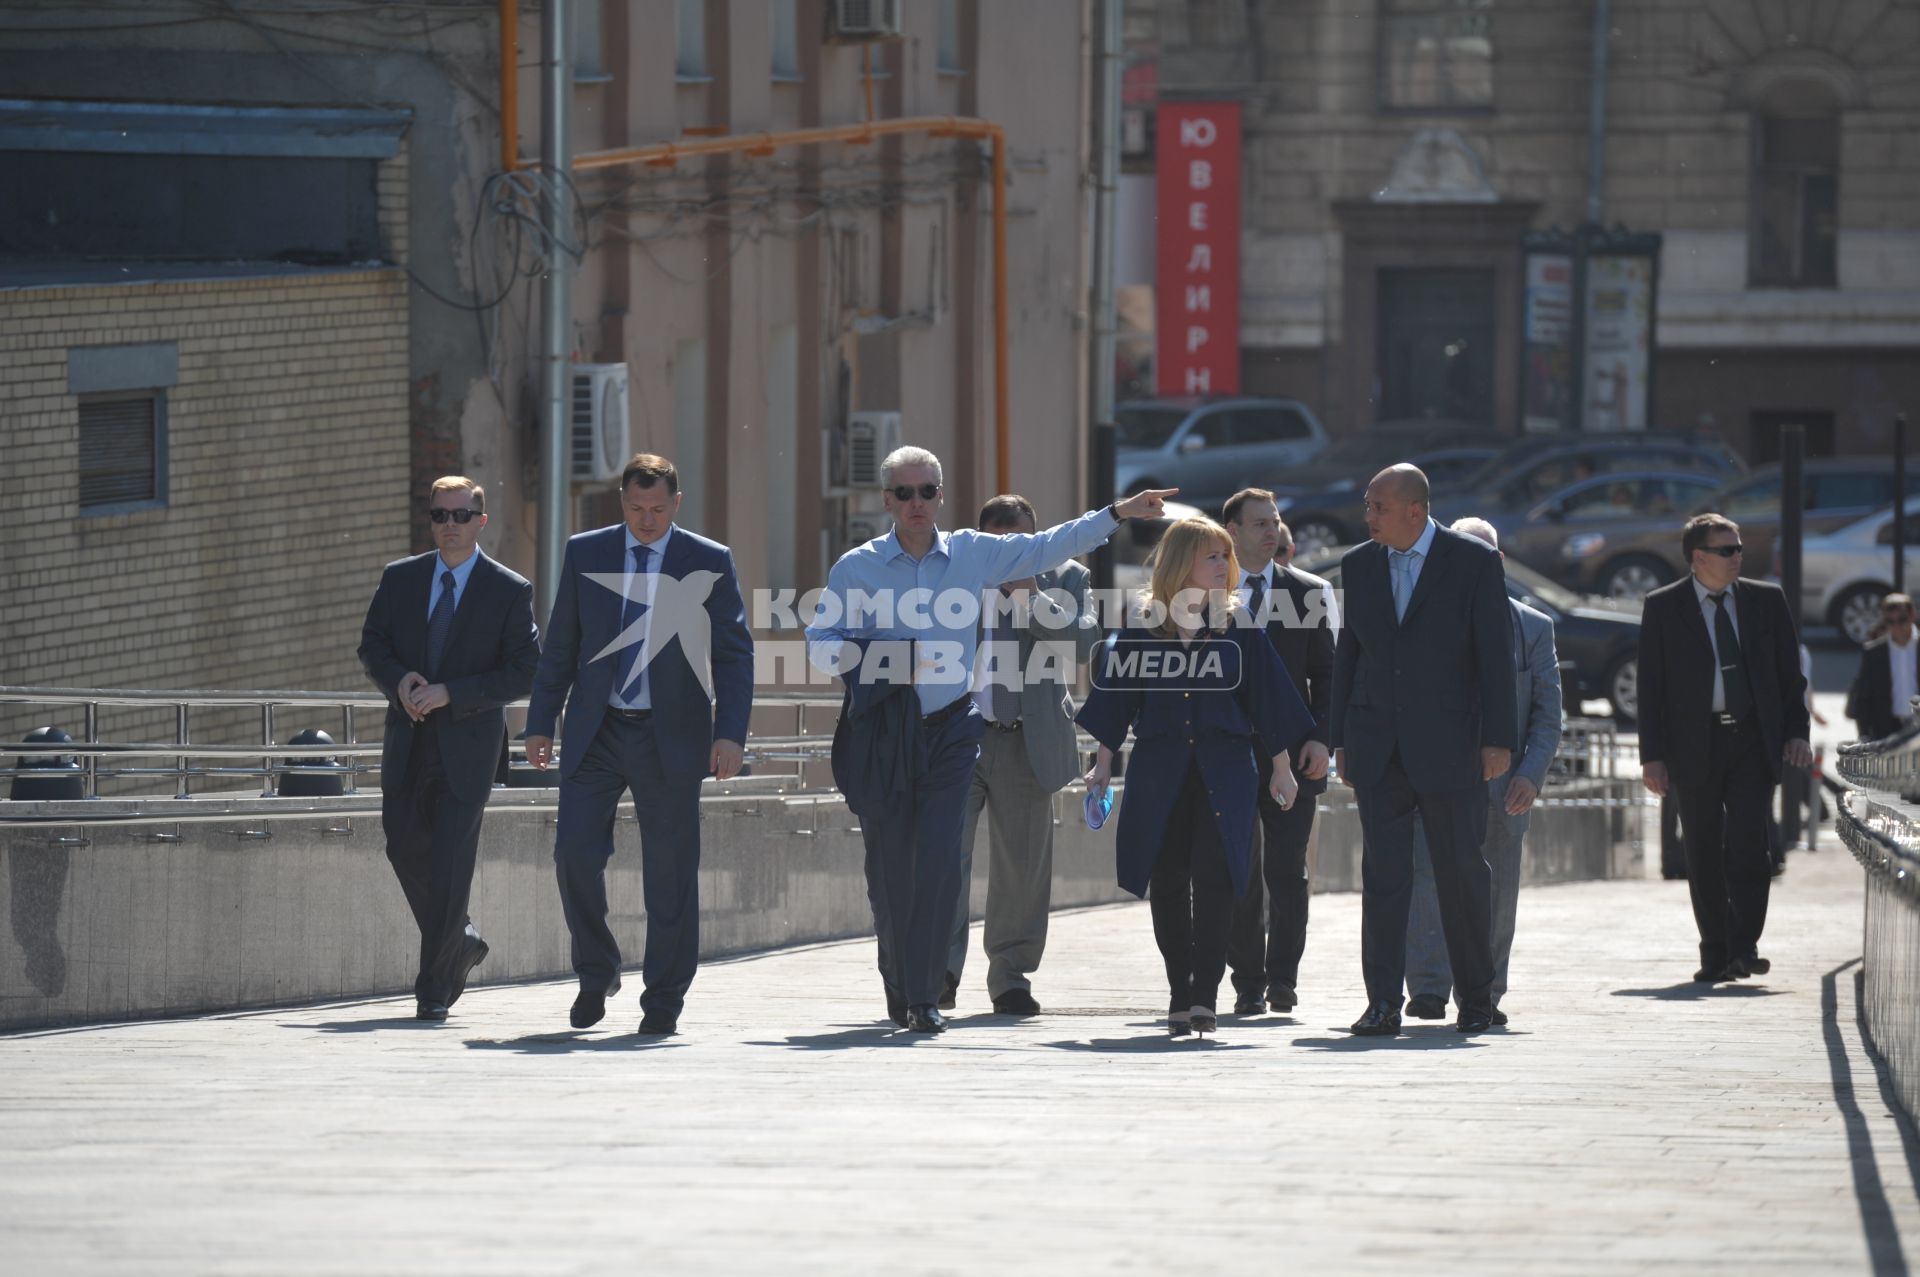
(1171, 564)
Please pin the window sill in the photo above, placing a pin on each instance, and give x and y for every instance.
(121, 507)
(952, 72)
(682, 77)
(592, 77)
(787, 77)
(1386, 109)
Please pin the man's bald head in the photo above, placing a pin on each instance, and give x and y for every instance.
(1397, 506)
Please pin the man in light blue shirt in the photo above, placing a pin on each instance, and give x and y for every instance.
(912, 599)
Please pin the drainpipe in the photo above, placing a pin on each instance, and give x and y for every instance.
(1106, 185)
(556, 316)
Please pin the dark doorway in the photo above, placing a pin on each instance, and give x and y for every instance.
(1436, 345)
(1763, 438)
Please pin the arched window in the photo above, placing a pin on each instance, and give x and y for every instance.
(1794, 219)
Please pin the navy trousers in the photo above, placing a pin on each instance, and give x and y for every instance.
(913, 862)
(1456, 825)
(433, 840)
(624, 756)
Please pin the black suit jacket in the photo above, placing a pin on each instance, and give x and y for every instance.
(490, 657)
(1436, 685)
(1306, 649)
(1869, 700)
(1676, 675)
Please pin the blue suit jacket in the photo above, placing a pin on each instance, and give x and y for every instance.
(586, 618)
(1209, 721)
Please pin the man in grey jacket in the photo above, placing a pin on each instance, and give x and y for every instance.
(1026, 755)
(1536, 688)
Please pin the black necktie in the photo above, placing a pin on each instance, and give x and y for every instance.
(440, 624)
(1732, 672)
(1256, 594)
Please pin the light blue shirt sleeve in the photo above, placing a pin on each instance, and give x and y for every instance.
(999, 559)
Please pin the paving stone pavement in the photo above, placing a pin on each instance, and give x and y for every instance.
(1626, 1122)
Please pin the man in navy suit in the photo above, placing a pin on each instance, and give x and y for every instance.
(450, 639)
(649, 640)
(1423, 718)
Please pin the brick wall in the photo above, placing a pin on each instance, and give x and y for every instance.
(287, 434)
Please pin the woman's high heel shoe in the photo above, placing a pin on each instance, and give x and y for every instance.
(1179, 1024)
(1203, 1020)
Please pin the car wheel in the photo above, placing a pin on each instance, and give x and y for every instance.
(1314, 535)
(1623, 688)
(1634, 576)
(1856, 613)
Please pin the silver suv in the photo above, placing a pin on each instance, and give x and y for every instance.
(1210, 449)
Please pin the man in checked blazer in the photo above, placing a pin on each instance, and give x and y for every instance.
(450, 639)
(1027, 754)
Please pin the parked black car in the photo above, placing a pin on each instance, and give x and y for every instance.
(1598, 639)
(1321, 502)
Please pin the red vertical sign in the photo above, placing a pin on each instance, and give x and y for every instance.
(1197, 282)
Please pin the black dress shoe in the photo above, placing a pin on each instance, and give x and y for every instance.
(476, 953)
(1250, 1004)
(1018, 1002)
(658, 1023)
(1723, 973)
(950, 996)
(430, 1010)
(925, 1018)
(588, 1010)
(1280, 1000)
(1474, 1020)
(1499, 1016)
(1382, 1020)
(1756, 965)
(1425, 1006)
(896, 1006)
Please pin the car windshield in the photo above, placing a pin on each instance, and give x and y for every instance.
(1147, 427)
(1367, 448)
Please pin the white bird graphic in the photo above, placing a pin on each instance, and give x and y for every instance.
(679, 611)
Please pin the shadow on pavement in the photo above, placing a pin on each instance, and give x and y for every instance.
(1158, 1044)
(368, 1026)
(1694, 991)
(1437, 1038)
(565, 1043)
(1869, 1189)
(879, 1033)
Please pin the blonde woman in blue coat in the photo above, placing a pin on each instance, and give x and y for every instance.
(1196, 682)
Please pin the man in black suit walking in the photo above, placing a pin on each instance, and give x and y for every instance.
(450, 638)
(1722, 708)
(648, 649)
(1423, 717)
(1880, 702)
(1296, 609)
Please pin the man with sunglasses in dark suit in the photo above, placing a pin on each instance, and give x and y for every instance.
(648, 649)
(450, 639)
(1722, 709)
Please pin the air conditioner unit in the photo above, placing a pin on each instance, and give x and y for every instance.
(599, 439)
(863, 21)
(870, 437)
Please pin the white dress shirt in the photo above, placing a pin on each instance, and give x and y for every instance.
(460, 576)
(640, 696)
(1708, 610)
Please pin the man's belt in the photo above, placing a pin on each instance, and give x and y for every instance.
(1014, 726)
(630, 715)
(947, 711)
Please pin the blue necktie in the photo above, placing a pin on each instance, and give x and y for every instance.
(635, 607)
(1402, 582)
(440, 624)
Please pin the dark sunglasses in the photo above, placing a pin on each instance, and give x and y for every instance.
(1724, 551)
(458, 516)
(926, 492)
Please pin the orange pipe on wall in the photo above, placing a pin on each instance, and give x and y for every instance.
(509, 85)
(666, 154)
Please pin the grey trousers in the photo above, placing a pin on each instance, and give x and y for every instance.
(1020, 871)
(1428, 970)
